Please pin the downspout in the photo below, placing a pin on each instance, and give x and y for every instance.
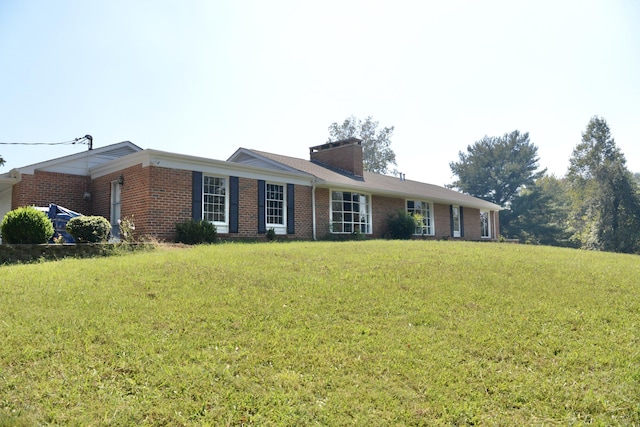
(313, 208)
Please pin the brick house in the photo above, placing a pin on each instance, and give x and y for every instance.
(246, 195)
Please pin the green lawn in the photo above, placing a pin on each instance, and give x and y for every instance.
(316, 333)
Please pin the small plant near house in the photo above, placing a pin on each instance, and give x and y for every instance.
(89, 229)
(26, 225)
(402, 225)
(271, 234)
(58, 240)
(127, 229)
(194, 232)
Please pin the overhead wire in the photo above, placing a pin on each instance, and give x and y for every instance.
(83, 140)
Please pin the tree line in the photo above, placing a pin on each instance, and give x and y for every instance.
(596, 205)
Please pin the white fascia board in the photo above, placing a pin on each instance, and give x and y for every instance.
(480, 204)
(12, 177)
(192, 163)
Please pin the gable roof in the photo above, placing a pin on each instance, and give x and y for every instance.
(370, 182)
(80, 163)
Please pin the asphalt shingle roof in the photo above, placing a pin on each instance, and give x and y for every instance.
(379, 184)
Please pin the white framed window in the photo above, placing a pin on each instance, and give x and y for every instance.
(424, 211)
(275, 206)
(485, 225)
(455, 218)
(215, 203)
(350, 212)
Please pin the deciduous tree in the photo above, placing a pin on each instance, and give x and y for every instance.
(377, 154)
(605, 201)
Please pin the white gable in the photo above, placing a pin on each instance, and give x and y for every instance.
(80, 163)
(247, 157)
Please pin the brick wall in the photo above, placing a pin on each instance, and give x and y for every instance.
(323, 221)
(471, 223)
(158, 197)
(43, 188)
(382, 208)
(247, 208)
(303, 213)
(155, 197)
(347, 157)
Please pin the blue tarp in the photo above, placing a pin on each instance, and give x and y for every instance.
(59, 216)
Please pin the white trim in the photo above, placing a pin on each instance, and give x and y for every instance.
(207, 166)
(458, 233)
(431, 215)
(221, 227)
(65, 164)
(278, 228)
(489, 227)
(313, 211)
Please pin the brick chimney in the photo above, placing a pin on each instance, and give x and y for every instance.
(344, 155)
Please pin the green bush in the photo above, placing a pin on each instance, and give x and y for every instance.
(401, 225)
(89, 229)
(193, 232)
(26, 225)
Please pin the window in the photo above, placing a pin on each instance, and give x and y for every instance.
(275, 204)
(214, 191)
(350, 212)
(455, 221)
(485, 228)
(424, 211)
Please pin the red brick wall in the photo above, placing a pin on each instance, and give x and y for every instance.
(155, 197)
(43, 188)
(345, 157)
(471, 219)
(383, 207)
(303, 213)
(247, 208)
(158, 197)
(323, 221)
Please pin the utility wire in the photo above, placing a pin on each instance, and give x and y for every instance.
(82, 140)
(87, 139)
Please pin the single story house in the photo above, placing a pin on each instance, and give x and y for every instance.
(247, 195)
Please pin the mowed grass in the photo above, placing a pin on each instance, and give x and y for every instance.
(315, 333)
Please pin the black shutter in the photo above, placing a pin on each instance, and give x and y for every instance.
(262, 220)
(451, 219)
(291, 228)
(233, 204)
(461, 222)
(196, 195)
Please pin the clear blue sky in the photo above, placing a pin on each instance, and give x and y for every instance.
(206, 77)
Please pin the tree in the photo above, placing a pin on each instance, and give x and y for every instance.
(539, 214)
(605, 201)
(376, 151)
(497, 168)
(2, 162)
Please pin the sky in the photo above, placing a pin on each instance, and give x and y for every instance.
(205, 77)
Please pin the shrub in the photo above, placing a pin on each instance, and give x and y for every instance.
(26, 225)
(127, 229)
(193, 232)
(89, 229)
(401, 225)
(271, 234)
